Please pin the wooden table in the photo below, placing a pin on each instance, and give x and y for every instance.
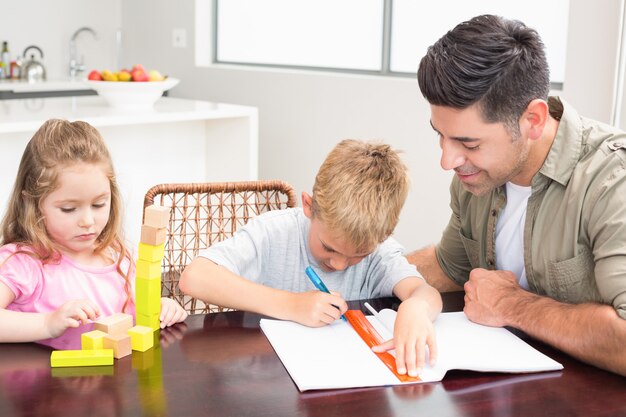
(222, 365)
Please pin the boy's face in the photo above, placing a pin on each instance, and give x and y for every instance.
(332, 252)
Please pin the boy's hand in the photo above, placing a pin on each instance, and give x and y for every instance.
(317, 308)
(413, 331)
(171, 312)
(71, 314)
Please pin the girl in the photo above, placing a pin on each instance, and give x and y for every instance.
(63, 261)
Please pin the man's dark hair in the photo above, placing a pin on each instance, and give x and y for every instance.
(495, 62)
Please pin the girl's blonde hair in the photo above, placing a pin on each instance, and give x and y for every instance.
(359, 192)
(57, 145)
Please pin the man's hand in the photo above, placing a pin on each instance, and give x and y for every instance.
(485, 296)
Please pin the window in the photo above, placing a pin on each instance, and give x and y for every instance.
(370, 36)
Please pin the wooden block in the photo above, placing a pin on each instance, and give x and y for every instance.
(141, 338)
(115, 324)
(156, 216)
(148, 270)
(95, 357)
(147, 296)
(153, 321)
(92, 340)
(119, 343)
(151, 253)
(152, 235)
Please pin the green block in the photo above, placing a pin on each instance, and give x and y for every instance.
(153, 321)
(94, 357)
(147, 269)
(148, 296)
(151, 253)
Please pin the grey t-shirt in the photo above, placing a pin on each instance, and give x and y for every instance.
(272, 249)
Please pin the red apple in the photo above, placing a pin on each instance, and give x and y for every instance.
(138, 67)
(139, 75)
(94, 76)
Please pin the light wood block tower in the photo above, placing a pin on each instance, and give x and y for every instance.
(148, 273)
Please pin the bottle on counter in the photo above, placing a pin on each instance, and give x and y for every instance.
(16, 68)
(6, 60)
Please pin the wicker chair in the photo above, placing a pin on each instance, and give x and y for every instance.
(205, 213)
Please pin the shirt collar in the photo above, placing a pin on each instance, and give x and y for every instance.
(567, 146)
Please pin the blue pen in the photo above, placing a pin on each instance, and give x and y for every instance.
(319, 284)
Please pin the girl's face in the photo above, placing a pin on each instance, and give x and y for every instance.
(78, 210)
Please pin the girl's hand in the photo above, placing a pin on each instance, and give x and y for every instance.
(317, 308)
(71, 314)
(171, 312)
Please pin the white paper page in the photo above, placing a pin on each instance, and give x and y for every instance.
(466, 345)
(335, 356)
(332, 356)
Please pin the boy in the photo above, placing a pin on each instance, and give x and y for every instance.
(342, 231)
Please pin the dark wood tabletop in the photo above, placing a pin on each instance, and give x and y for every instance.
(222, 365)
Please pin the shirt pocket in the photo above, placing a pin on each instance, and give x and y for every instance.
(472, 249)
(573, 280)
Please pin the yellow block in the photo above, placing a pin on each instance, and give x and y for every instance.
(151, 253)
(95, 357)
(141, 338)
(152, 321)
(92, 340)
(148, 296)
(149, 270)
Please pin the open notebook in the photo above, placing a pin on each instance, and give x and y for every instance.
(335, 356)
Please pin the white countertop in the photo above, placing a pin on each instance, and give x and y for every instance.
(22, 86)
(27, 115)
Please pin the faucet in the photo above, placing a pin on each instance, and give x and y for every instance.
(78, 66)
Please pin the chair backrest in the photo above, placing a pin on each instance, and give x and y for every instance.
(205, 213)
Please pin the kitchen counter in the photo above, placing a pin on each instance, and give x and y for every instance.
(178, 140)
(20, 89)
(22, 86)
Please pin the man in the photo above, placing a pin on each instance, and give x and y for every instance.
(537, 236)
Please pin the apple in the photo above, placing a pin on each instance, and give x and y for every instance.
(94, 76)
(138, 67)
(139, 75)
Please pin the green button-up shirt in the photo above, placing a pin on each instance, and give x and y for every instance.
(575, 230)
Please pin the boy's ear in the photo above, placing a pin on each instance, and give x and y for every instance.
(307, 205)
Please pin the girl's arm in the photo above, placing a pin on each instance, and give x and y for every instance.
(16, 326)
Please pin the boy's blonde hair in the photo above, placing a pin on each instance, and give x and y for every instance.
(59, 144)
(359, 192)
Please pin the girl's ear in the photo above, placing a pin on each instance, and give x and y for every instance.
(307, 205)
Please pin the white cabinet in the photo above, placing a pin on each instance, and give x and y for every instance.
(177, 141)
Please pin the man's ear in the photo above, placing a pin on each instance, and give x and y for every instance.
(307, 205)
(534, 118)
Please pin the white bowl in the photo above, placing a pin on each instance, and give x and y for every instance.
(132, 95)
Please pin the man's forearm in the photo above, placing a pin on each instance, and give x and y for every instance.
(593, 333)
(426, 263)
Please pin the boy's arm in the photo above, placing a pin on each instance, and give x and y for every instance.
(413, 329)
(214, 284)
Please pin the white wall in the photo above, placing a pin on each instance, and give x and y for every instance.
(303, 114)
(50, 25)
